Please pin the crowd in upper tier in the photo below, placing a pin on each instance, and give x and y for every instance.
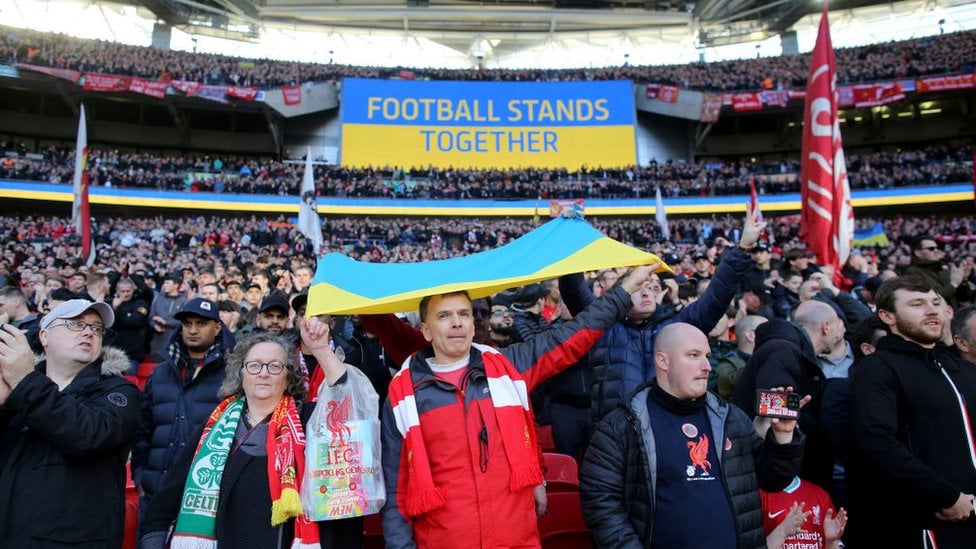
(947, 53)
(931, 165)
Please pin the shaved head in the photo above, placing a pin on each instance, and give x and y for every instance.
(813, 313)
(681, 361)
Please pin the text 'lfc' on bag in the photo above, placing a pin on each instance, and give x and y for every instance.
(343, 468)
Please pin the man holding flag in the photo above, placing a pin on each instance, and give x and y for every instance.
(826, 216)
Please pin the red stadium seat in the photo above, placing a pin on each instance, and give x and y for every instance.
(142, 375)
(563, 527)
(546, 441)
(131, 510)
(373, 532)
(562, 473)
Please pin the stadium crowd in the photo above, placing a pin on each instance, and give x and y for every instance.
(183, 290)
(932, 55)
(930, 165)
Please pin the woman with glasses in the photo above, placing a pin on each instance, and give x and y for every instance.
(224, 491)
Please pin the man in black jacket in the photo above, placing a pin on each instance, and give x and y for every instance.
(65, 430)
(913, 473)
(706, 462)
(786, 356)
(180, 393)
(131, 322)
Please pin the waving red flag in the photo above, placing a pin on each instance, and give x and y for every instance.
(826, 216)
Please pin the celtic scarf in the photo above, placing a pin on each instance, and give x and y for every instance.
(196, 524)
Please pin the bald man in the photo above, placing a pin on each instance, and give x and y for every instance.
(694, 445)
(786, 356)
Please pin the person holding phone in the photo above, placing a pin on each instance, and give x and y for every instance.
(677, 466)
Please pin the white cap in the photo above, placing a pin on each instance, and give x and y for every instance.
(74, 308)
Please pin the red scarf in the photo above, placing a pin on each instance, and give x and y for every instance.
(286, 465)
(417, 493)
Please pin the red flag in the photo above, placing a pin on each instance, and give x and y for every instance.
(80, 214)
(826, 216)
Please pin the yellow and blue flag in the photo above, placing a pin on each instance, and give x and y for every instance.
(875, 236)
(561, 246)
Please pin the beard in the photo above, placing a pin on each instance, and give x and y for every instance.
(916, 333)
(503, 330)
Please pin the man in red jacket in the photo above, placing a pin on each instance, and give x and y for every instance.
(460, 458)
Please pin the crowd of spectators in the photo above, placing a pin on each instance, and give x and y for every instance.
(153, 246)
(931, 165)
(942, 54)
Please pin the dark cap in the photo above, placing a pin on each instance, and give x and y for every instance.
(175, 276)
(671, 258)
(250, 285)
(274, 301)
(199, 306)
(761, 246)
(300, 301)
(531, 293)
(702, 256)
(505, 297)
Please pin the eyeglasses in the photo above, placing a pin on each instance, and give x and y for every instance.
(481, 313)
(502, 313)
(929, 248)
(254, 367)
(79, 326)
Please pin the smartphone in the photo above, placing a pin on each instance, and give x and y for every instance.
(777, 404)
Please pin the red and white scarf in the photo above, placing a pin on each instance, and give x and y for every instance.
(417, 493)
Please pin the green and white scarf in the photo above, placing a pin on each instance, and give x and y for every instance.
(196, 525)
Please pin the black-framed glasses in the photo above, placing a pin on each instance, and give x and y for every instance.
(929, 248)
(79, 326)
(254, 367)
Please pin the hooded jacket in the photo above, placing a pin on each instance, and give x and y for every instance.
(63, 454)
(173, 405)
(785, 357)
(913, 449)
(619, 473)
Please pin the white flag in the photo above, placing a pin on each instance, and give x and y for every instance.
(660, 215)
(308, 216)
(81, 157)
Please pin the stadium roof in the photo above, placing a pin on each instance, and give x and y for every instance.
(493, 33)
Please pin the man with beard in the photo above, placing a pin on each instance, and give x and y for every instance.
(273, 314)
(913, 473)
(180, 393)
(501, 326)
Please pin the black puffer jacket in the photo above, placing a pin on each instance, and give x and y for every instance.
(785, 357)
(618, 477)
(62, 457)
(172, 407)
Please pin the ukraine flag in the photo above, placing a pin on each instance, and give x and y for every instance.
(875, 236)
(561, 246)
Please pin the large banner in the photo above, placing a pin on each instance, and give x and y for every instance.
(487, 124)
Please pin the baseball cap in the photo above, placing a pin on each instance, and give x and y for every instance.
(531, 293)
(274, 301)
(199, 306)
(252, 285)
(702, 256)
(300, 301)
(74, 308)
(761, 246)
(671, 258)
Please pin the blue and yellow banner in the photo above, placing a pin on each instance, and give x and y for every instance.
(875, 236)
(487, 124)
(561, 246)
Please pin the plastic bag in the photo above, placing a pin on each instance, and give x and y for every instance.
(343, 468)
